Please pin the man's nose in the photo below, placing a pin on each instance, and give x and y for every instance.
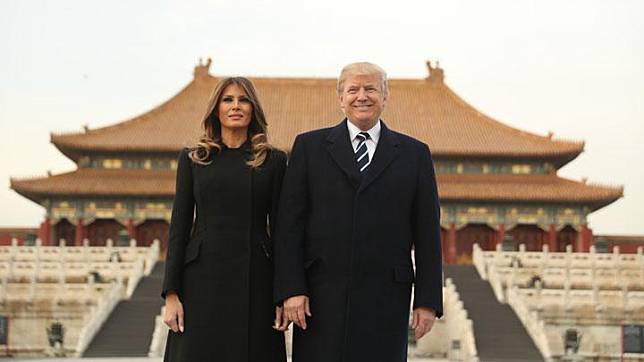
(362, 94)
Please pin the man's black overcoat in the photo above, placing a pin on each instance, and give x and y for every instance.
(345, 240)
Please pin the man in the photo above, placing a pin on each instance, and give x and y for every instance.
(356, 199)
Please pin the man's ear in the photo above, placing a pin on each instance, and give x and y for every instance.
(340, 101)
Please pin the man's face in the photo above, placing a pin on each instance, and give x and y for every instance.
(363, 99)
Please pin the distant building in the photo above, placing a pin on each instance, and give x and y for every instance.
(495, 181)
(24, 235)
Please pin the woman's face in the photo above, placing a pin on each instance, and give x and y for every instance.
(235, 109)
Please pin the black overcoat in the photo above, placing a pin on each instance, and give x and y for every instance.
(345, 240)
(219, 258)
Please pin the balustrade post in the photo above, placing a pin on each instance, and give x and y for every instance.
(625, 296)
(4, 292)
(32, 288)
(38, 248)
(86, 255)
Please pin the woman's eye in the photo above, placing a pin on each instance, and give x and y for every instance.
(227, 99)
(244, 99)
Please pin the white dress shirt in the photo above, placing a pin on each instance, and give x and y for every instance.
(372, 142)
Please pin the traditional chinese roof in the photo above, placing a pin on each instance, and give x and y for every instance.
(475, 188)
(525, 188)
(622, 239)
(426, 109)
(93, 182)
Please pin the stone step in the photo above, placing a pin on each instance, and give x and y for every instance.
(498, 332)
(128, 330)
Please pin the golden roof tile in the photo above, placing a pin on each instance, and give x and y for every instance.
(423, 108)
(485, 188)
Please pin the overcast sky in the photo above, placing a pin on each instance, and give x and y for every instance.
(571, 67)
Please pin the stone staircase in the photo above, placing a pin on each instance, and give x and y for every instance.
(128, 330)
(499, 335)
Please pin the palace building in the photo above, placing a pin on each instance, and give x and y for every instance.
(497, 184)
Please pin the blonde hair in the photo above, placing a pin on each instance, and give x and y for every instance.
(211, 138)
(363, 68)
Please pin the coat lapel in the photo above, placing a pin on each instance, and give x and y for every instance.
(386, 151)
(339, 147)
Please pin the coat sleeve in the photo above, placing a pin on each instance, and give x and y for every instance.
(290, 279)
(180, 225)
(428, 291)
(278, 179)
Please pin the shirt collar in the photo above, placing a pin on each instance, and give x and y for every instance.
(374, 132)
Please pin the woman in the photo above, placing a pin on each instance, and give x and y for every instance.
(219, 273)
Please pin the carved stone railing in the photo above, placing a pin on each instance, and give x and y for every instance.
(567, 259)
(533, 325)
(159, 336)
(98, 316)
(459, 326)
(85, 253)
(592, 293)
(134, 278)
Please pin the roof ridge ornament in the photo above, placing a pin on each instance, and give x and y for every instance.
(202, 69)
(436, 73)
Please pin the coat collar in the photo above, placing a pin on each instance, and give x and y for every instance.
(386, 152)
(339, 146)
(340, 149)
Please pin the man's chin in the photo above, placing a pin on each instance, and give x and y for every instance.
(364, 121)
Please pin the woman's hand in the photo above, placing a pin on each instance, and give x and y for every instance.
(173, 317)
(281, 322)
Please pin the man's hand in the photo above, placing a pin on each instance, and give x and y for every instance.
(173, 317)
(281, 322)
(296, 309)
(423, 321)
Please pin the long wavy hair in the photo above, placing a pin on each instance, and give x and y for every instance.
(211, 141)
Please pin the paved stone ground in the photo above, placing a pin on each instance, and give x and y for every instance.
(132, 359)
(144, 360)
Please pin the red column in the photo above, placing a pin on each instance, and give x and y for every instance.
(80, 232)
(500, 234)
(444, 244)
(552, 238)
(451, 244)
(585, 239)
(44, 234)
(131, 231)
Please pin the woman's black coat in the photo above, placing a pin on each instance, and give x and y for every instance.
(220, 265)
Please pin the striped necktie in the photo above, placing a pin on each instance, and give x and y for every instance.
(362, 154)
